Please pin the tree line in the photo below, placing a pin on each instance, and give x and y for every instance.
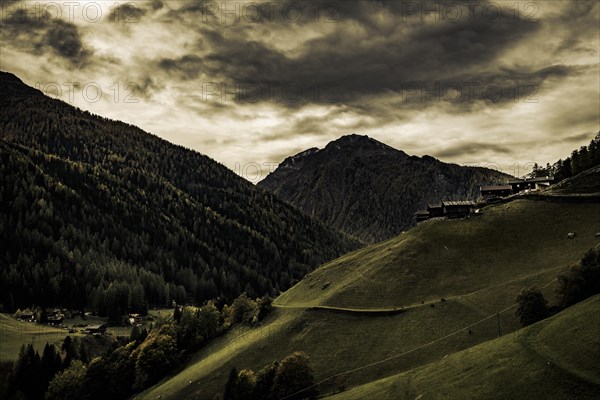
(581, 159)
(575, 284)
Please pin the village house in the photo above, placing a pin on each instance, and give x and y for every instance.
(95, 329)
(135, 319)
(27, 316)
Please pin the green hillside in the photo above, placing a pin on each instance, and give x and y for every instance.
(384, 302)
(15, 333)
(553, 359)
(445, 258)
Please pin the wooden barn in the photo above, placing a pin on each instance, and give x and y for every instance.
(493, 191)
(435, 210)
(95, 329)
(421, 216)
(458, 209)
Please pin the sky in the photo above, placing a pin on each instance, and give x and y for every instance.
(500, 84)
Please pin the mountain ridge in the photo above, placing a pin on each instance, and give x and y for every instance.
(119, 216)
(369, 189)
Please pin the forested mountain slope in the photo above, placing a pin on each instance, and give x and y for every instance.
(99, 213)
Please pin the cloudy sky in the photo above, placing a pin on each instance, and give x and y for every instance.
(500, 83)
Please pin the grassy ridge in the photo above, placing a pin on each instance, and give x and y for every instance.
(553, 359)
(442, 258)
(460, 261)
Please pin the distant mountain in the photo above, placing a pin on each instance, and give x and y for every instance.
(99, 213)
(369, 189)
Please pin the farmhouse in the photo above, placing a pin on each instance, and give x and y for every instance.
(135, 319)
(458, 209)
(516, 186)
(494, 191)
(95, 329)
(447, 209)
(435, 210)
(519, 185)
(27, 316)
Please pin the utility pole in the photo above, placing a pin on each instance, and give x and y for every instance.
(498, 319)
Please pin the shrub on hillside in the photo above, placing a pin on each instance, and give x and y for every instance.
(243, 309)
(292, 378)
(155, 356)
(581, 280)
(531, 306)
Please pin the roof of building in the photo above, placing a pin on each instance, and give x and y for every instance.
(496, 187)
(541, 179)
(458, 203)
(95, 327)
(422, 213)
(434, 206)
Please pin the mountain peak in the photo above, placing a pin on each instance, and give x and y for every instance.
(368, 189)
(359, 143)
(354, 138)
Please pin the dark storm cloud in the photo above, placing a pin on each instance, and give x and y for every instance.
(127, 13)
(583, 137)
(36, 34)
(581, 26)
(353, 64)
(186, 67)
(470, 149)
(64, 38)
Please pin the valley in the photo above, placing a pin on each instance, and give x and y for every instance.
(378, 305)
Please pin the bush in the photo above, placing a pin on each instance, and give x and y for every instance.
(265, 306)
(293, 375)
(155, 357)
(243, 309)
(274, 381)
(581, 280)
(531, 306)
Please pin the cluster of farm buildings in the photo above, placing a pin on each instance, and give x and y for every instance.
(56, 317)
(489, 194)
